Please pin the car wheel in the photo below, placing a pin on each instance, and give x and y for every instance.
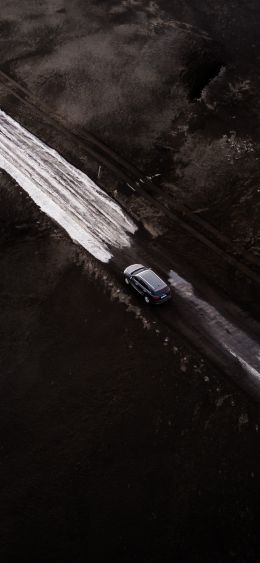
(147, 300)
(127, 281)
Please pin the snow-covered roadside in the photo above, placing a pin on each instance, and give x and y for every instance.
(214, 326)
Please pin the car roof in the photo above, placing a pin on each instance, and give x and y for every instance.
(151, 279)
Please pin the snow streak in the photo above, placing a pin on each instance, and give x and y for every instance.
(232, 339)
(63, 192)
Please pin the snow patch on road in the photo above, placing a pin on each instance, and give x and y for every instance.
(63, 192)
(232, 339)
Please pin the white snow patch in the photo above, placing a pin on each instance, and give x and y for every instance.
(234, 340)
(63, 192)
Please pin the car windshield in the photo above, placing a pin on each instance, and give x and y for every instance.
(138, 270)
(153, 280)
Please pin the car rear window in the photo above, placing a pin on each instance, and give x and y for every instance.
(153, 280)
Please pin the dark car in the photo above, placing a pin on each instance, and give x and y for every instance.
(147, 283)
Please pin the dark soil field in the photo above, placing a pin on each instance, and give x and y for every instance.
(120, 442)
(115, 445)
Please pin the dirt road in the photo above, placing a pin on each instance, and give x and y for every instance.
(95, 221)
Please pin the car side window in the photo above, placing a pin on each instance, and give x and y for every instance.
(143, 284)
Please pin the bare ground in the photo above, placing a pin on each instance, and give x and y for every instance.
(115, 446)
